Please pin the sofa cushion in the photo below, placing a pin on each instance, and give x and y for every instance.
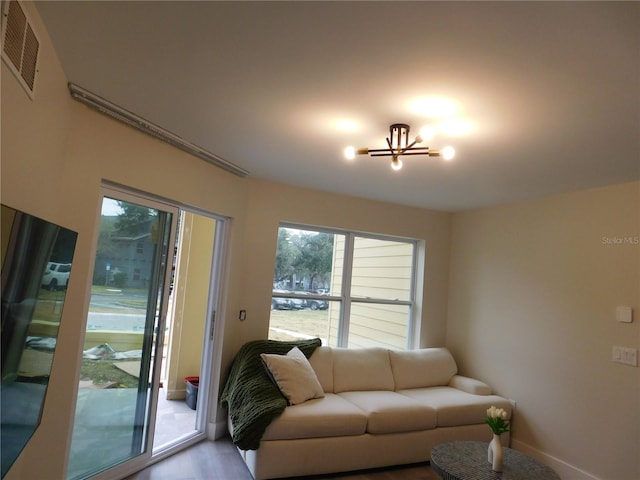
(470, 385)
(329, 416)
(426, 367)
(322, 363)
(361, 369)
(455, 407)
(390, 412)
(294, 376)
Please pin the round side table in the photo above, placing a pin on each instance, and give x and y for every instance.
(468, 461)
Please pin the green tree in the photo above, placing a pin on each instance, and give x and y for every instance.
(307, 255)
(316, 253)
(132, 217)
(286, 254)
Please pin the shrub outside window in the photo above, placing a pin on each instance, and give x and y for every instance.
(350, 289)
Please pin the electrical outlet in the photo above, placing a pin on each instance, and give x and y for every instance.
(626, 356)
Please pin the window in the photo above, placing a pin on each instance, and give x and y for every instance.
(350, 289)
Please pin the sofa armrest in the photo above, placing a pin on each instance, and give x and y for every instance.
(470, 385)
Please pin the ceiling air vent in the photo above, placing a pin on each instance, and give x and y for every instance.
(20, 45)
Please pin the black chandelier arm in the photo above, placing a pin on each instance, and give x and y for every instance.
(383, 152)
(423, 151)
(393, 153)
(400, 151)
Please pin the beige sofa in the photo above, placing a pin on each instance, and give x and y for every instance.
(380, 407)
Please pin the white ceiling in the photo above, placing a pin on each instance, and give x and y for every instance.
(552, 89)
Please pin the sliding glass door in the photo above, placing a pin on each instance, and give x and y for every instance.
(122, 352)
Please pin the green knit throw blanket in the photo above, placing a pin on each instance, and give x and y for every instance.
(252, 398)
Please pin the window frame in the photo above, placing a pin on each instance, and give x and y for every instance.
(345, 298)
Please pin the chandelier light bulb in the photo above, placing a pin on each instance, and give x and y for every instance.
(427, 133)
(350, 153)
(448, 153)
(396, 164)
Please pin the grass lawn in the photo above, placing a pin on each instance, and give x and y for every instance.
(48, 309)
(104, 372)
(314, 323)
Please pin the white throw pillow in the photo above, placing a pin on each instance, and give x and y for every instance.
(294, 375)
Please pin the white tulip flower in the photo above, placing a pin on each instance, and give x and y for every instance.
(497, 420)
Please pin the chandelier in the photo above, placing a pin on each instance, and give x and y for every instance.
(398, 145)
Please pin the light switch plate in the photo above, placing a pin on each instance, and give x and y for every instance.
(626, 356)
(624, 314)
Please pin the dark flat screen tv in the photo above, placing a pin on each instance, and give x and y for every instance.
(37, 256)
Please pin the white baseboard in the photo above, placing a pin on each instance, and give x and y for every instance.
(562, 468)
(176, 394)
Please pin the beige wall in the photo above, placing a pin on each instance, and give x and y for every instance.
(533, 292)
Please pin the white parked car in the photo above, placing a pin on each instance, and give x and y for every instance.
(56, 276)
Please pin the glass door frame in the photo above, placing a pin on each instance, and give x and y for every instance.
(212, 339)
(206, 425)
(157, 306)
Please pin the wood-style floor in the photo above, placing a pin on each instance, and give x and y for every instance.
(219, 460)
